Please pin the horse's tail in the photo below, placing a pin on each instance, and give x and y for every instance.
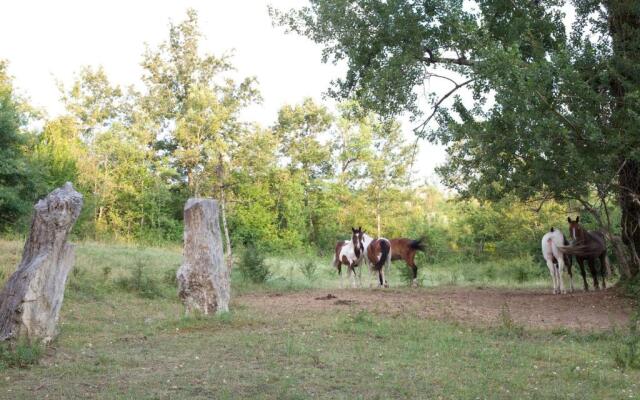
(385, 249)
(419, 245)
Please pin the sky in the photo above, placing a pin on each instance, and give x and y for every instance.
(48, 41)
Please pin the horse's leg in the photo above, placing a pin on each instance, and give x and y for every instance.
(552, 272)
(570, 275)
(411, 263)
(341, 276)
(352, 274)
(603, 269)
(580, 261)
(594, 273)
(560, 277)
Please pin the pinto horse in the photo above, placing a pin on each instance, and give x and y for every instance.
(377, 256)
(405, 249)
(349, 253)
(552, 245)
(589, 246)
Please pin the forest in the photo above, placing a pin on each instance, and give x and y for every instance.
(299, 184)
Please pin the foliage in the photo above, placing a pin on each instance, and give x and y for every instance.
(553, 111)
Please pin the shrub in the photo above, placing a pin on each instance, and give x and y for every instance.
(627, 353)
(140, 283)
(309, 270)
(252, 265)
(19, 355)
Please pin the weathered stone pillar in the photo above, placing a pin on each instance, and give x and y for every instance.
(31, 300)
(203, 277)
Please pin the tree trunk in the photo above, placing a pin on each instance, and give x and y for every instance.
(630, 205)
(203, 278)
(229, 256)
(31, 300)
(624, 28)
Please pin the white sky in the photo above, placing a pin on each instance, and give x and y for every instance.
(45, 41)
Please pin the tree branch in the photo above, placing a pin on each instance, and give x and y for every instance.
(436, 107)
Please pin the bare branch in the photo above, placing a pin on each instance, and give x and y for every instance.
(437, 105)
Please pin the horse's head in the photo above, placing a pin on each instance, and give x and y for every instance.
(576, 233)
(356, 234)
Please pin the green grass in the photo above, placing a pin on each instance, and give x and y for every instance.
(118, 344)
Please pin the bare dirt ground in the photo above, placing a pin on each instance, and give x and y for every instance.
(476, 306)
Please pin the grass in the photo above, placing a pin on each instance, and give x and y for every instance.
(118, 344)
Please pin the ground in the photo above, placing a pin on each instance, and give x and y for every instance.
(474, 305)
(475, 331)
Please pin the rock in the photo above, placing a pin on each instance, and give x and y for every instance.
(203, 278)
(31, 300)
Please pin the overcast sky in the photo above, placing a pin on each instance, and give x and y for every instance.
(45, 41)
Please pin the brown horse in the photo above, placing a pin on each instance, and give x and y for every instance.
(406, 249)
(589, 246)
(377, 255)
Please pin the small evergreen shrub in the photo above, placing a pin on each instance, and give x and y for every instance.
(252, 266)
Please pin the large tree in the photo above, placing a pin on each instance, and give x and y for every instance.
(554, 109)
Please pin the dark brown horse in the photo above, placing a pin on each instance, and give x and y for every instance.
(406, 249)
(589, 246)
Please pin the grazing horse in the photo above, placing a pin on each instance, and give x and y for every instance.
(405, 249)
(377, 256)
(349, 253)
(552, 245)
(588, 245)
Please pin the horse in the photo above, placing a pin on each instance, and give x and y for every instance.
(588, 245)
(405, 249)
(349, 253)
(377, 256)
(552, 245)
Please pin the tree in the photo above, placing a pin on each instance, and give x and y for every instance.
(300, 129)
(20, 183)
(552, 116)
(195, 105)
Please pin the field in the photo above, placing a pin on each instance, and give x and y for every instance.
(490, 331)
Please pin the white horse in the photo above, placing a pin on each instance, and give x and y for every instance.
(552, 244)
(349, 253)
(377, 256)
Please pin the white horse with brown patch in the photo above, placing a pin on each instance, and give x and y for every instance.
(350, 254)
(552, 244)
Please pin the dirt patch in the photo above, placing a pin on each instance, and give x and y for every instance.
(477, 306)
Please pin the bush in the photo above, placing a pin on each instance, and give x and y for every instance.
(140, 283)
(252, 266)
(309, 270)
(627, 353)
(19, 355)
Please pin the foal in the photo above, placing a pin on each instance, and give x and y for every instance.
(349, 253)
(378, 256)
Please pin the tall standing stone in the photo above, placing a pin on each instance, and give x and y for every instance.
(31, 300)
(203, 277)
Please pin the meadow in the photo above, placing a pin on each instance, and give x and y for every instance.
(123, 335)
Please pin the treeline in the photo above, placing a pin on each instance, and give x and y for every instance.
(137, 154)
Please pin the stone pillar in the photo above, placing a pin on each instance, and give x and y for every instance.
(203, 278)
(31, 300)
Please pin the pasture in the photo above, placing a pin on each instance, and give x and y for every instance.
(486, 331)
